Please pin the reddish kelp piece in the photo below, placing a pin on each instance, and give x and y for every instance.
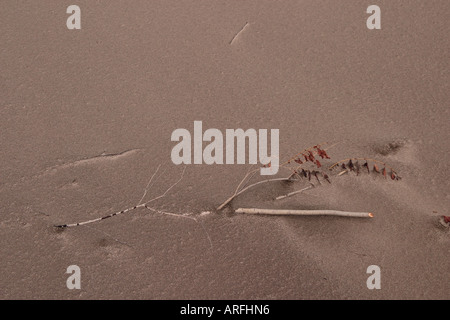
(322, 153)
(325, 176)
(366, 165)
(318, 164)
(353, 164)
(375, 168)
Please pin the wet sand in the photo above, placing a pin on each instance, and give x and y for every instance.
(87, 117)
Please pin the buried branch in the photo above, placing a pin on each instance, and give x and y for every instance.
(296, 173)
(139, 205)
(145, 205)
(310, 157)
(249, 187)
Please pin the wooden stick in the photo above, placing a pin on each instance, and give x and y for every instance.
(249, 187)
(294, 193)
(305, 212)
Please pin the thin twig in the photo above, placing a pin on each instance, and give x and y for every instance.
(207, 234)
(148, 184)
(294, 192)
(248, 187)
(237, 34)
(142, 205)
(170, 213)
(164, 194)
(283, 165)
(249, 171)
(183, 216)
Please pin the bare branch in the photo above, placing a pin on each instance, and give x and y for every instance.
(294, 192)
(305, 212)
(249, 187)
(148, 184)
(142, 205)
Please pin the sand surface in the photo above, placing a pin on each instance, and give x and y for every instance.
(86, 117)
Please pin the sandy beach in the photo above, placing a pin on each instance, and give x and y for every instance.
(87, 116)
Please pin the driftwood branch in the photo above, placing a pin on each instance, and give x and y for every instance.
(304, 212)
(139, 205)
(249, 187)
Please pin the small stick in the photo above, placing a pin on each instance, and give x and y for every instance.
(294, 193)
(237, 34)
(248, 187)
(305, 212)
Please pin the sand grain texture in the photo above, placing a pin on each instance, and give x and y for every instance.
(72, 102)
